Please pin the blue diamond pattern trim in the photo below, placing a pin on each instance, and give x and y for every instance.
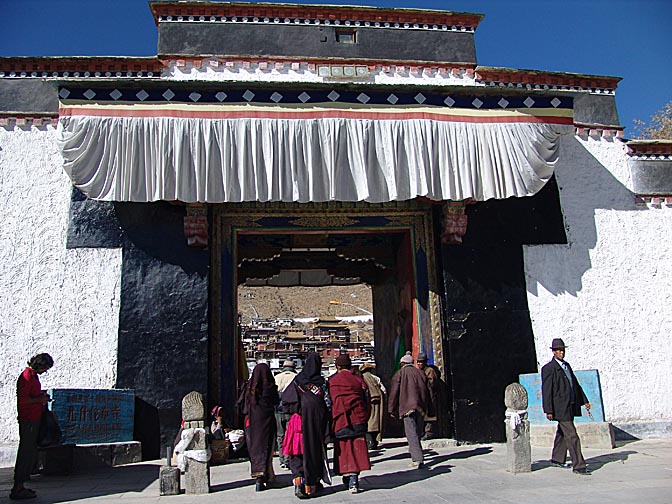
(177, 94)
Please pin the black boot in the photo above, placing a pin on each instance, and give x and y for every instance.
(260, 485)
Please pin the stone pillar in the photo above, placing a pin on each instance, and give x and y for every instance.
(169, 477)
(518, 451)
(193, 452)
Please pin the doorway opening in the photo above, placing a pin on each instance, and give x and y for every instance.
(299, 288)
(388, 247)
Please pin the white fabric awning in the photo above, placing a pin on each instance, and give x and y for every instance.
(321, 150)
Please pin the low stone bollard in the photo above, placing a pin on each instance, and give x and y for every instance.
(518, 451)
(193, 452)
(169, 477)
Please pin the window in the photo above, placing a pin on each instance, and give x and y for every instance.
(346, 36)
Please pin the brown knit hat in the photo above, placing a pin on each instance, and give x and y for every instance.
(343, 361)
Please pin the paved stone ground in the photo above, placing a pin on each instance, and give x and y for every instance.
(638, 472)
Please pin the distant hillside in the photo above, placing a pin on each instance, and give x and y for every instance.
(298, 302)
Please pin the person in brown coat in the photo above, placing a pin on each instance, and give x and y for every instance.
(409, 398)
(433, 375)
(377, 391)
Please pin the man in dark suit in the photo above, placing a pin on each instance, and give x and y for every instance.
(562, 398)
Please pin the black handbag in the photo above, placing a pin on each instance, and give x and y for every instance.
(50, 433)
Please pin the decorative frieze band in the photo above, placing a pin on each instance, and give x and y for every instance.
(338, 15)
(650, 150)
(168, 93)
(546, 87)
(306, 70)
(541, 80)
(599, 132)
(347, 23)
(18, 120)
(227, 70)
(79, 67)
(642, 200)
(651, 157)
(76, 75)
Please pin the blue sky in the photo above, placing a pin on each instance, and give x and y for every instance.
(631, 39)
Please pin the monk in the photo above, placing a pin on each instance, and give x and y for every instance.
(350, 409)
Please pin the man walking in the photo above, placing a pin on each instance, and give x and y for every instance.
(562, 398)
(282, 380)
(377, 391)
(408, 401)
(433, 375)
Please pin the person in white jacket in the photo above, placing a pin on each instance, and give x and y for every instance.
(282, 380)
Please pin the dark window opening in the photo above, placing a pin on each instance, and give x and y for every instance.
(346, 36)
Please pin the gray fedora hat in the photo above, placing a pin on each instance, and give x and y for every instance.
(557, 344)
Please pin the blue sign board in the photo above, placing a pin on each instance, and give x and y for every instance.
(589, 380)
(94, 415)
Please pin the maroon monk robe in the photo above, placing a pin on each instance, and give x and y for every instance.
(350, 413)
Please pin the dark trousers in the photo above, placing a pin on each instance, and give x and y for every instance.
(296, 466)
(566, 439)
(414, 426)
(372, 440)
(26, 455)
(281, 420)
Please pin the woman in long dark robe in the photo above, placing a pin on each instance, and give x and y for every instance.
(261, 398)
(308, 395)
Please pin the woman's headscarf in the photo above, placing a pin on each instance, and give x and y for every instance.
(261, 383)
(311, 372)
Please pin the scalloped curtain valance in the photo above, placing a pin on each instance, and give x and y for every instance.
(223, 151)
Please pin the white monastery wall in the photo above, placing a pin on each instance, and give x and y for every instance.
(61, 301)
(608, 292)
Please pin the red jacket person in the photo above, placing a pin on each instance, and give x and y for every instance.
(30, 402)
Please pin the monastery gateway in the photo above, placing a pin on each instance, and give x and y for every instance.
(489, 209)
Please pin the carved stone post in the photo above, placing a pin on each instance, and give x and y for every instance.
(518, 451)
(169, 477)
(193, 452)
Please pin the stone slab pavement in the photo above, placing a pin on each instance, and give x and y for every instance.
(636, 472)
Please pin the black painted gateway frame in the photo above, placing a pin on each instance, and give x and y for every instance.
(177, 302)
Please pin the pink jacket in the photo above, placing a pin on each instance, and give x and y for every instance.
(293, 442)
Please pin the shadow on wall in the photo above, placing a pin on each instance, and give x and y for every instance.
(146, 429)
(163, 319)
(585, 186)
